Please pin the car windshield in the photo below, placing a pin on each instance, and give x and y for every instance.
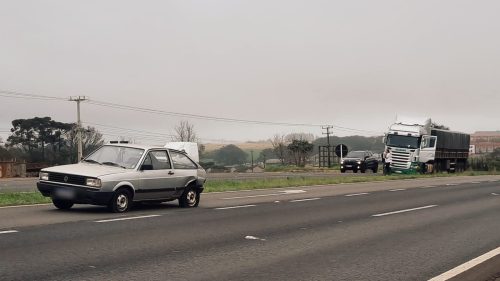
(403, 141)
(119, 156)
(356, 154)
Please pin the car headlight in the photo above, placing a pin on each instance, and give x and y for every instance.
(44, 176)
(341, 161)
(359, 162)
(93, 182)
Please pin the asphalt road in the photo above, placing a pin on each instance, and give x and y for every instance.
(397, 230)
(29, 184)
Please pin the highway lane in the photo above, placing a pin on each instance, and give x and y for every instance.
(11, 217)
(411, 230)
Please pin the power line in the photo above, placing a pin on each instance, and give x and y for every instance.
(196, 116)
(12, 94)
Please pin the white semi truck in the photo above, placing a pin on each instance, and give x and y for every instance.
(418, 147)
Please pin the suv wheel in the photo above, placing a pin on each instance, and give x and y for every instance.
(121, 201)
(190, 198)
(62, 204)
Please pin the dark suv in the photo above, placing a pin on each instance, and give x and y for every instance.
(359, 161)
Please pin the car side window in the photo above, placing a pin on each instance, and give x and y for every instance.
(181, 161)
(158, 160)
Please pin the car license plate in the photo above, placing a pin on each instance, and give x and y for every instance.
(348, 166)
(63, 193)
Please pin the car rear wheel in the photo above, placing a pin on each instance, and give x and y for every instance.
(121, 201)
(62, 204)
(190, 198)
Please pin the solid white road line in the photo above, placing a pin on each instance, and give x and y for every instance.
(235, 207)
(404, 211)
(129, 218)
(394, 190)
(19, 206)
(356, 194)
(303, 200)
(466, 266)
(8, 231)
(451, 184)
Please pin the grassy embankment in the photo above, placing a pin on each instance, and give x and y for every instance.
(27, 198)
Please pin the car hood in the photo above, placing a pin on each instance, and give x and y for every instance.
(86, 169)
(352, 159)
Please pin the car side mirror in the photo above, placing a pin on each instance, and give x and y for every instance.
(146, 167)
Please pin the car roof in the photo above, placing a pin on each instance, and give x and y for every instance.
(143, 146)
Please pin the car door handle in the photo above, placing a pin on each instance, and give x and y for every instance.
(171, 173)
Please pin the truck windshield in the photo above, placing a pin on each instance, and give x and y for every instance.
(402, 141)
(126, 157)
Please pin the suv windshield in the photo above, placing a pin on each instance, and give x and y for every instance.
(403, 141)
(126, 157)
(356, 154)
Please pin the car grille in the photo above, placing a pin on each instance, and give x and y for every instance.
(65, 178)
(400, 160)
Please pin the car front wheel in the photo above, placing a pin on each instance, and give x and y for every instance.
(62, 204)
(121, 201)
(190, 198)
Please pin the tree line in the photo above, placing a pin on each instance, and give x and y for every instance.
(44, 140)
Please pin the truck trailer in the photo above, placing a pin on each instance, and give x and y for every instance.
(418, 147)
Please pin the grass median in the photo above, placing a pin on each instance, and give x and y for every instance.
(27, 198)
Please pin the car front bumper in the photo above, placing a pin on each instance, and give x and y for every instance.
(78, 195)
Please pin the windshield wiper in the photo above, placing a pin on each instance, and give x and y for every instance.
(113, 164)
(91, 161)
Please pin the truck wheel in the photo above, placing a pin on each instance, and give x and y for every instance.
(62, 204)
(190, 198)
(121, 201)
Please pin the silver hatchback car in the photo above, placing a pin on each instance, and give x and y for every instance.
(116, 175)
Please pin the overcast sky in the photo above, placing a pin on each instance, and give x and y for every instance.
(355, 64)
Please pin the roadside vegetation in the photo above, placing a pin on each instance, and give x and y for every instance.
(27, 198)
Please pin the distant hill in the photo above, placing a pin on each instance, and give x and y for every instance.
(247, 146)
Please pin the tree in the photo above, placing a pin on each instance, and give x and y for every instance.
(300, 149)
(280, 147)
(230, 155)
(493, 160)
(37, 133)
(91, 140)
(439, 126)
(185, 132)
(266, 154)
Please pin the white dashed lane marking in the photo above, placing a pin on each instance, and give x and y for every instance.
(303, 200)
(394, 190)
(356, 194)
(404, 211)
(8, 231)
(128, 218)
(235, 207)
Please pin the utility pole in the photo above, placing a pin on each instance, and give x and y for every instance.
(251, 152)
(78, 99)
(327, 128)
